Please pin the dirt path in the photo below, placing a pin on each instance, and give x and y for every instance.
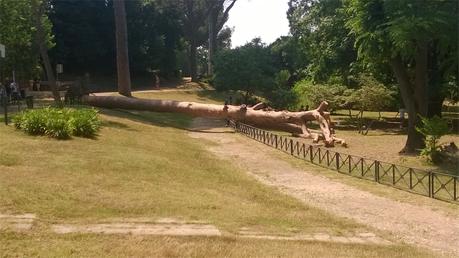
(174, 227)
(419, 225)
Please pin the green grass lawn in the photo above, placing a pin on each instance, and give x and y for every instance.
(142, 164)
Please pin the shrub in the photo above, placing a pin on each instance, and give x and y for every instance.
(310, 94)
(85, 122)
(59, 123)
(32, 122)
(372, 96)
(433, 129)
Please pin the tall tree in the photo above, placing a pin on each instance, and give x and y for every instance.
(122, 56)
(39, 8)
(248, 68)
(193, 15)
(318, 28)
(218, 16)
(419, 41)
(17, 33)
(84, 35)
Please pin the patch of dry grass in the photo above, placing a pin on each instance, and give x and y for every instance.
(140, 246)
(143, 165)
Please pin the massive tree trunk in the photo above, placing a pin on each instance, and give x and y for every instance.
(122, 56)
(293, 122)
(41, 41)
(414, 94)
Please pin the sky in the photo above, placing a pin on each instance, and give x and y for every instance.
(266, 19)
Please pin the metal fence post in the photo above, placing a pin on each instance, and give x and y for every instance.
(455, 188)
(337, 161)
(430, 184)
(304, 151)
(311, 158)
(393, 174)
(376, 171)
(5, 107)
(411, 179)
(291, 147)
(275, 138)
(320, 156)
(349, 161)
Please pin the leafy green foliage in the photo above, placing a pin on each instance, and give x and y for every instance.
(433, 129)
(310, 94)
(281, 96)
(327, 44)
(85, 38)
(372, 96)
(84, 122)
(32, 122)
(17, 33)
(58, 123)
(248, 68)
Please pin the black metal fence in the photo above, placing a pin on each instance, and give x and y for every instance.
(428, 183)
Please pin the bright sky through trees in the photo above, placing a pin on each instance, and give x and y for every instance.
(258, 18)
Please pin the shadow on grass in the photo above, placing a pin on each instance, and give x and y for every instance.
(173, 120)
(117, 125)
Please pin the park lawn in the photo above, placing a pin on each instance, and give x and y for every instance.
(140, 169)
(76, 245)
(143, 165)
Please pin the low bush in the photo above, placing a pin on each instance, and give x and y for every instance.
(85, 122)
(432, 129)
(58, 123)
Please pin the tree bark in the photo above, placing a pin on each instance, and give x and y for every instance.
(41, 41)
(193, 62)
(122, 55)
(212, 39)
(414, 95)
(293, 122)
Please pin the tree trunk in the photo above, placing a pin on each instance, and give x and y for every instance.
(293, 122)
(39, 10)
(122, 55)
(413, 96)
(215, 26)
(212, 40)
(193, 64)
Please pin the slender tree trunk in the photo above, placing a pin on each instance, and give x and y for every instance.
(193, 64)
(39, 10)
(122, 55)
(212, 40)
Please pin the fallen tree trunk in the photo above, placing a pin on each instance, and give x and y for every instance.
(292, 122)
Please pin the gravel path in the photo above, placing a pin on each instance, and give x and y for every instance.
(419, 225)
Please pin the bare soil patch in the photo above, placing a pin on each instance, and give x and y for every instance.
(166, 227)
(19, 222)
(420, 225)
(175, 227)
